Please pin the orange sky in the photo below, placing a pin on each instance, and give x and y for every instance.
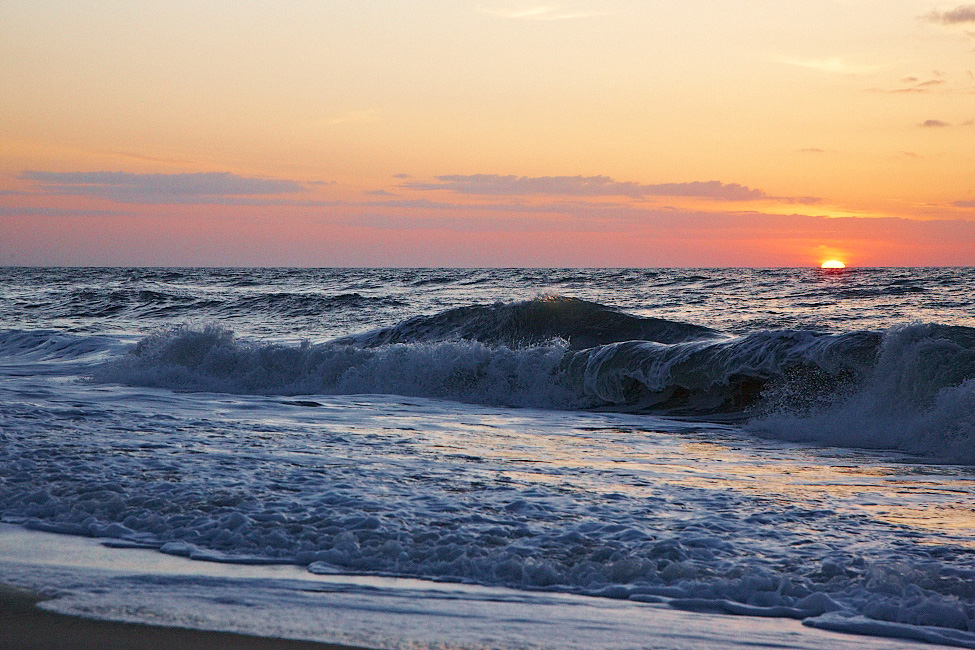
(455, 133)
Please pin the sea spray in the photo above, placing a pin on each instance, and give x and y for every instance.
(919, 397)
(213, 359)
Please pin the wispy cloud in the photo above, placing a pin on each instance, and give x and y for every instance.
(512, 207)
(498, 185)
(964, 204)
(34, 211)
(126, 187)
(833, 64)
(540, 12)
(917, 86)
(933, 124)
(959, 15)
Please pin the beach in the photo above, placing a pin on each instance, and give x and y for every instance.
(26, 626)
(94, 596)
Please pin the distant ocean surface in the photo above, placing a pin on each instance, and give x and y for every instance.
(782, 442)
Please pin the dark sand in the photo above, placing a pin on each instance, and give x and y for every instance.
(24, 626)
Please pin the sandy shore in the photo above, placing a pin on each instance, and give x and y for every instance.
(24, 626)
(265, 603)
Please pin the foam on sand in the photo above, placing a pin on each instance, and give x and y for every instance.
(135, 586)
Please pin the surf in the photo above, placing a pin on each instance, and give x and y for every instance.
(911, 387)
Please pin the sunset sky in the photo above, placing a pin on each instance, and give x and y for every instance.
(487, 133)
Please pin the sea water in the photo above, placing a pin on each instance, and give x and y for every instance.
(790, 443)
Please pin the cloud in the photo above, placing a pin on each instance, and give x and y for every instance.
(34, 211)
(833, 64)
(125, 187)
(959, 15)
(964, 204)
(811, 150)
(497, 185)
(540, 12)
(933, 124)
(513, 207)
(919, 86)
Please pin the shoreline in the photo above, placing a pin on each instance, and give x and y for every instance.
(155, 601)
(25, 625)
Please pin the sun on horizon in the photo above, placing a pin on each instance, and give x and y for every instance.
(833, 264)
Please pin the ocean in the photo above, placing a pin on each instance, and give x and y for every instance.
(780, 443)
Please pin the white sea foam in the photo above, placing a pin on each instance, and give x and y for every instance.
(911, 389)
(589, 503)
(919, 397)
(213, 359)
(391, 613)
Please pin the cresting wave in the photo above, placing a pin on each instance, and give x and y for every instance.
(910, 388)
(52, 345)
(919, 397)
(214, 360)
(578, 323)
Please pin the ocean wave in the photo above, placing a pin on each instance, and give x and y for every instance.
(723, 376)
(911, 388)
(580, 323)
(212, 359)
(918, 397)
(730, 375)
(305, 304)
(19, 345)
(176, 302)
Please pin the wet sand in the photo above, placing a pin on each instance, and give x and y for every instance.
(24, 626)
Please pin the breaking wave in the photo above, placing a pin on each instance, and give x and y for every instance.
(212, 359)
(918, 397)
(910, 388)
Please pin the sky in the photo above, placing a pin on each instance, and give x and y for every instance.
(575, 133)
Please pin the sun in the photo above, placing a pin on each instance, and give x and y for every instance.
(833, 264)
